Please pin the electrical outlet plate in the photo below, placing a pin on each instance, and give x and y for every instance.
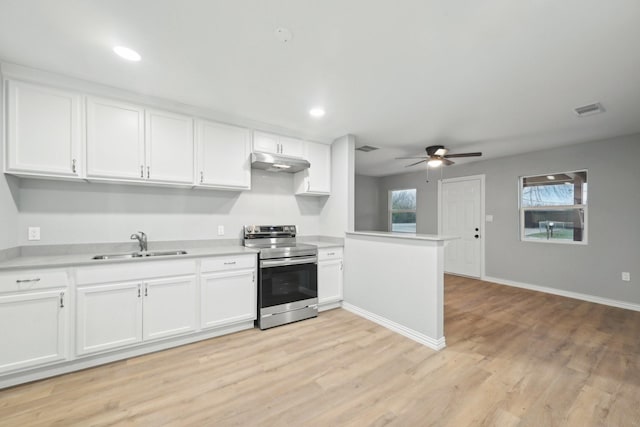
(34, 233)
(626, 276)
(221, 230)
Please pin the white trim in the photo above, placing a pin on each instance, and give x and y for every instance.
(482, 213)
(329, 306)
(568, 294)
(435, 344)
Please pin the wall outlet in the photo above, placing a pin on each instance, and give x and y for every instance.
(626, 276)
(221, 230)
(489, 218)
(34, 233)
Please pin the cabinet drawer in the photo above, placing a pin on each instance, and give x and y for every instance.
(232, 262)
(329, 253)
(25, 280)
(134, 271)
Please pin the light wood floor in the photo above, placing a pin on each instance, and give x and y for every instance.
(514, 357)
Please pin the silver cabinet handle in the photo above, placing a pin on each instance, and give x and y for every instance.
(141, 171)
(148, 173)
(61, 299)
(37, 279)
(330, 253)
(73, 165)
(230, 263)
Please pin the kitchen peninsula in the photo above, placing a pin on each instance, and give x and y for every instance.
(396, 280)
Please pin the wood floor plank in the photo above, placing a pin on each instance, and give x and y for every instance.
(514, 358)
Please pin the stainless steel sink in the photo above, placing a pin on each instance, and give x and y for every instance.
(164, 253)
(139, 255)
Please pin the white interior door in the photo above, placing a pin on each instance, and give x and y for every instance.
(461, 216)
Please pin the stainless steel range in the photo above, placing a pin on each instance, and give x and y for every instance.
(288, 276)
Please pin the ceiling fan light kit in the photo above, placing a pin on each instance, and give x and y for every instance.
(437, 156)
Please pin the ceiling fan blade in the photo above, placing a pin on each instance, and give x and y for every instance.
(417, 157)
(416, 163)
(447, 162)
(464, 155)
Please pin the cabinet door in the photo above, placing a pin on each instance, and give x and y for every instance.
(317, 179)
(169, 147)
(266, 142)
(32, 329)
(291, 147)
(115, 140)
(227, 298)
(169, 307)
(108, 316)
(330, 281)
(223, 155)
(43, 130)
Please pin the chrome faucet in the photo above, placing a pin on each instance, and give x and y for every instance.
(141, 237)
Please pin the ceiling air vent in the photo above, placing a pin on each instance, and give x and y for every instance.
(587, 110)
(366, 148)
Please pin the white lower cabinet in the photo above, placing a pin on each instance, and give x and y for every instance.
(227, 297)
(330, 275)
(108, 316)
(120, 314)
(32, 329)
(169, 307)
(228, 291)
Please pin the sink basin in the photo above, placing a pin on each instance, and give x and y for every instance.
(118, 256)
(139, 255)
(164, 253)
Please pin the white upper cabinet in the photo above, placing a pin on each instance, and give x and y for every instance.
(43, 131)
(115, 140)
(291, 147)
(223, 156)
(276, 144)
(169, 147)
(315, 181)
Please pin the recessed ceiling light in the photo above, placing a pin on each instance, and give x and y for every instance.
(284, 35)
(317, 112)
(127, 53)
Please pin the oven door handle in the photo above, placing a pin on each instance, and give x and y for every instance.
(288, 261)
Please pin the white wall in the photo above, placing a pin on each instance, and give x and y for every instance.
(338, 213)
(69, 212)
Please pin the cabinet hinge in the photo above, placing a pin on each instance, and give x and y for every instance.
(141, 171)
(148, 172)
(61, 299)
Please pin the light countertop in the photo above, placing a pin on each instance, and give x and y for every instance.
(85, 259)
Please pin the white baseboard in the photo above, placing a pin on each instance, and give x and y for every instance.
(568, 294)
(329, 306)
(435, 344)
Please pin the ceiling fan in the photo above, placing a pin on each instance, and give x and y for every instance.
(437, 156)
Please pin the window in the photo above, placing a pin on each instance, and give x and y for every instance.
(402, 210)
(553, 208)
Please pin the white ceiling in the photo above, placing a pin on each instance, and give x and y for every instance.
(498, 76)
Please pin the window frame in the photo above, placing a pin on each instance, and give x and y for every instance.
(391, 211)
(522, 210)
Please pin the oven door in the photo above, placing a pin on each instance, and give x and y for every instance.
(287, 280)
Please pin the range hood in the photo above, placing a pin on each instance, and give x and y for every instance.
(275, 163)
